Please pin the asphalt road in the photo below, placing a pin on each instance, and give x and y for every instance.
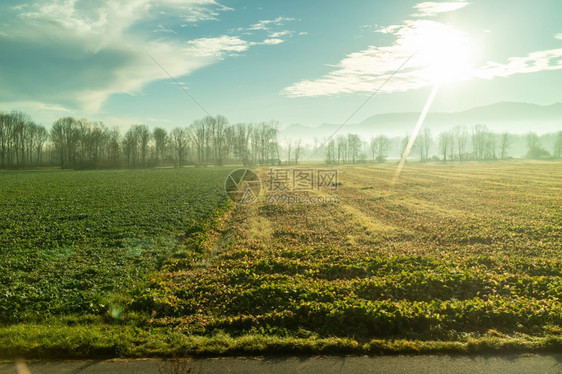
(488, 364)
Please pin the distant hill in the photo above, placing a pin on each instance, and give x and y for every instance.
(504, 116)
(516, 111)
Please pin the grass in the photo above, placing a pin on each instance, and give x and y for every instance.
(103, 341)
(459, 258)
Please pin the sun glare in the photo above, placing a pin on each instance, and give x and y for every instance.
(443, 53)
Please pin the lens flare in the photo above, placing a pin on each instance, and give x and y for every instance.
(415, 133)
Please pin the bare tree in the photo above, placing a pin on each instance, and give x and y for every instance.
(445, 143)
(505, 144)
(4, 138)
(81, 153)
(404, 144)
(354, 146)
(532, 140)
(479, 141)
(18, 139)
(114, 149)
(64, 135)
(461, 139)
(199, 135)
(20, 126)
(423, 144)
(264, 143)
(379, 148)
(143, 137)
(219, 136)
(99, 143)
(130, 146)
(330, 154)
(289, 145)
(30, 139)
(298, 149)
(342, 149)
(160, 137)
(180, 140)
(41, 138)
(241, 135)
(534, 147)
(209, 124)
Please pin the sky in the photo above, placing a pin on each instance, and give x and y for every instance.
(169, 62)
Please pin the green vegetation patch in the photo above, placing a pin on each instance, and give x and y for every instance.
(448, 253)
(75, 243)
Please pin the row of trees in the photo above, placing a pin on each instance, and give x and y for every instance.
(21, 140)
(458, 144)
(486, 145)
(209, 140)
(351, 149)
(79, 143)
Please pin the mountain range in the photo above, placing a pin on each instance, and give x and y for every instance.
(513, 117)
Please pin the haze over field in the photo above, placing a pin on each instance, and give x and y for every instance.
(296, 62)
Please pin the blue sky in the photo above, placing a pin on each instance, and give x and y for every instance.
(307, 62)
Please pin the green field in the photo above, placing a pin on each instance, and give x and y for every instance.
(453, 258)
(74, 243)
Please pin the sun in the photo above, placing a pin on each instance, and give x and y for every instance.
(442, 53)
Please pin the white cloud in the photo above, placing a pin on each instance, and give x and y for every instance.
(103, 22)
(273, 41)
(388, 29)
(161, 28)
(532, 63)
(204, 13)
(428, 43)
(279, 34)
(558, 36)
(432, 8)
(366, 70)
(267, 24)
(217, 47)
(274, 36)
(35, 105)
(83, 52)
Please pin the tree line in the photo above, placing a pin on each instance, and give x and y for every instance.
(460, 143)
(82, 144)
